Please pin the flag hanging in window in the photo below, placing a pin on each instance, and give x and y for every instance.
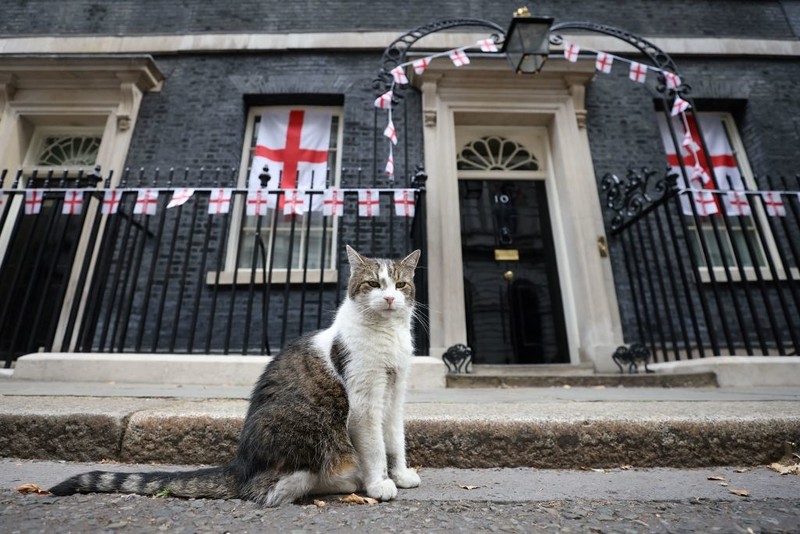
(725, 173)
(293, 145)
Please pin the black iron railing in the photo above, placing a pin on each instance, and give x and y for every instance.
(185, 279)
(692, 284)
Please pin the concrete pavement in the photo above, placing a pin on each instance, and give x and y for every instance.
(556, 427)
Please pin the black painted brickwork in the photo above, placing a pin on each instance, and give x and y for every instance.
(701, 18)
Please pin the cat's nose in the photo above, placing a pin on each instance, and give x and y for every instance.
(389, 300)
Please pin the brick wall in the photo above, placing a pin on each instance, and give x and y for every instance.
(701, 18)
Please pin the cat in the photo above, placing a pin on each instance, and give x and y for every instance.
(326, 415)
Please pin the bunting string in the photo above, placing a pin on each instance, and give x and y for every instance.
(258, 202)
(637, 72)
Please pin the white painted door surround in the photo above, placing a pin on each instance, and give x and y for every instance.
(488, 94)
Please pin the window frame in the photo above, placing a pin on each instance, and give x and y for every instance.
(763, 245)
(280, 275)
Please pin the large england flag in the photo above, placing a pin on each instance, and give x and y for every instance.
(725, 173)
(293, 145)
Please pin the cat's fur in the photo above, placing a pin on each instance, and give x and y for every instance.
(326, 416)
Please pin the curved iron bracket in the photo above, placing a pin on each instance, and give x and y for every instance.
(396, 52)
(636, 195)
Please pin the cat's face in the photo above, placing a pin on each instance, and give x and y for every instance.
(383, 287)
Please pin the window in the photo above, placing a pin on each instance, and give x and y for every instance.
(309, 238)
(61, 152)
(731, 172)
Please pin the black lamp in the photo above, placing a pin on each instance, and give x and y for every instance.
(527, 42)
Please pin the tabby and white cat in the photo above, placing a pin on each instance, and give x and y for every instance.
(326, 416)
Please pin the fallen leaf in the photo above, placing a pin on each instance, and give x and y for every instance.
(785, 469)
(716, 477)
(741, 470)
(599, 470)
(626, 467)
(33, 488)
(740, 492)
(724, 484)
(358, 499)
(319, 504)
(467, 487)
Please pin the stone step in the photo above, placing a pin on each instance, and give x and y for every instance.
(534, 379)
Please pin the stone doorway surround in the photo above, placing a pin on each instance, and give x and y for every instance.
(488, 92)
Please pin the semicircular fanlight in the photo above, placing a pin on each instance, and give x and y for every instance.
(495, 153)
(69, 150)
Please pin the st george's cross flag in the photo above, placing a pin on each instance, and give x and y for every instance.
(180, 197)
(404, 202)
(604, 62)
(219, 201)
(725, 173)
(333, 203)
(399, 75)
(293, 145)
(73, 202)
(487, 45)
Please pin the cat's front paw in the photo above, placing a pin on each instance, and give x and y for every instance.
(385, 490)
(405, 478)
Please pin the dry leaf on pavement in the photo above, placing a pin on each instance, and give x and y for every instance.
(319, 504)
(740, 492)
(785, 469)
(33, 488)
(716, 477)
(467, 486)
(358, 499)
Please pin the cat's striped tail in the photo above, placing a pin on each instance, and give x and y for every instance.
(211, 483)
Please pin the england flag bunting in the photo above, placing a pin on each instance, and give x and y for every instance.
(219, 201)
(146, 202)
(774, 204)
(420, 65)
(637, 72)
(487, 45)
(384, 101)
(111, 200)
(295, 203)
(293, 145)
(180, 197)
(257, 202)
(679, 106)
(404, 202)
(604, 62)
(571, 51)
(369, 203)
(736, 204)
(390, 132)
(73, 202)
(332, 203)
(389, 170)
(33, 201)
(672, 79)
(399, 75)
(458, 57)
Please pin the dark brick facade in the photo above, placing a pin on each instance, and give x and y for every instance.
(698, 18)
(198, 118)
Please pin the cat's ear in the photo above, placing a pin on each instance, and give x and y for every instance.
(356, 260)
(411, 260)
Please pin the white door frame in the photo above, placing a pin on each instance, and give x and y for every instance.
(487, 92)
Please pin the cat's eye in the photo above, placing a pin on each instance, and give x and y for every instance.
(400, 285)
(373, 283)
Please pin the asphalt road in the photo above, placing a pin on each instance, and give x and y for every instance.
(492, 500)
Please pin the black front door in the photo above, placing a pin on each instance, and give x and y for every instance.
(511, 287)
